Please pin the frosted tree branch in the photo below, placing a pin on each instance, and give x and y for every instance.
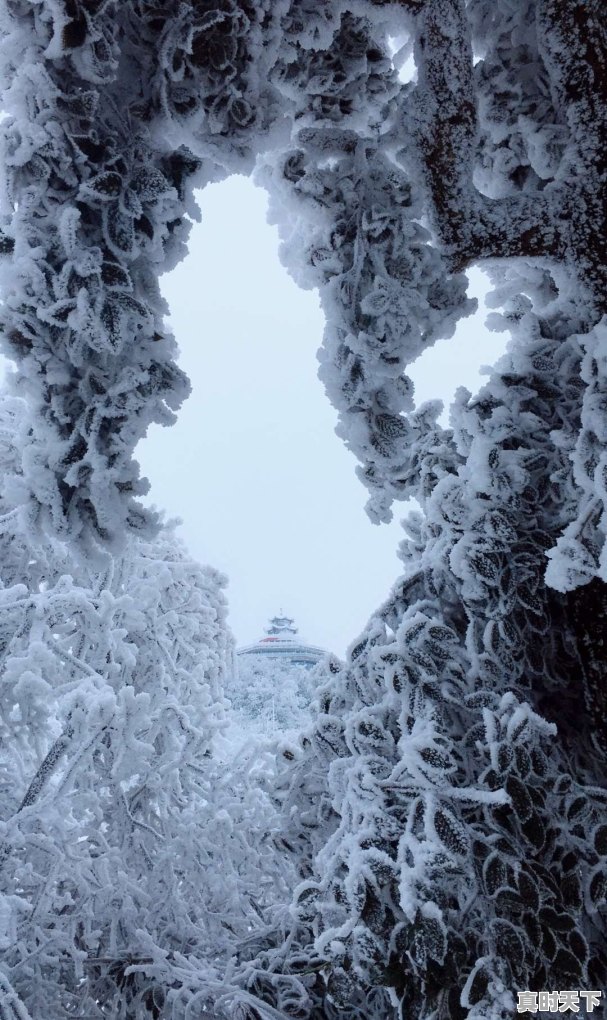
(470, 225)
(46, 769)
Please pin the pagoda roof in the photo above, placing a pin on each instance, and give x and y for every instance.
(281, 642)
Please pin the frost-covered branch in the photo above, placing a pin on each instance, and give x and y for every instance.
(442, 822)
(469, 225)
(46, 769)
(572, 37)
(11, 1007)
(564, 220)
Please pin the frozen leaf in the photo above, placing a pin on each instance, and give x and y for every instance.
(105, 186)
(450, 831)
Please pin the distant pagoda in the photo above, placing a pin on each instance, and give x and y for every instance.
(281, 644)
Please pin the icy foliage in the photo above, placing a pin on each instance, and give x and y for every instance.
(123, 889)
(350, 218)
(104, 146)
(455, 851)
(460, 859)
(94, 214)
(443, 820)
(581, 553)
(99, 158)
(269, 697)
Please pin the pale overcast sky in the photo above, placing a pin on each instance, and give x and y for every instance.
(266, 491)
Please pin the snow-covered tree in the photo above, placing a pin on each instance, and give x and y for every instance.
(269, 696)
(273, 684)
(130, 848)
(446, 816)
(463, 854)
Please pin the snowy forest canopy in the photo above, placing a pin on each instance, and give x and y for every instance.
(436, 838)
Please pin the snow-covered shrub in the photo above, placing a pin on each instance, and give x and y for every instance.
(446, 814)
(269, 697)
(131, 849)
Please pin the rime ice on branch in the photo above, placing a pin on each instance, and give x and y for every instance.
(457, 847)
(113, 796)
(99, 165)
(94, 212)
(446, 813)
